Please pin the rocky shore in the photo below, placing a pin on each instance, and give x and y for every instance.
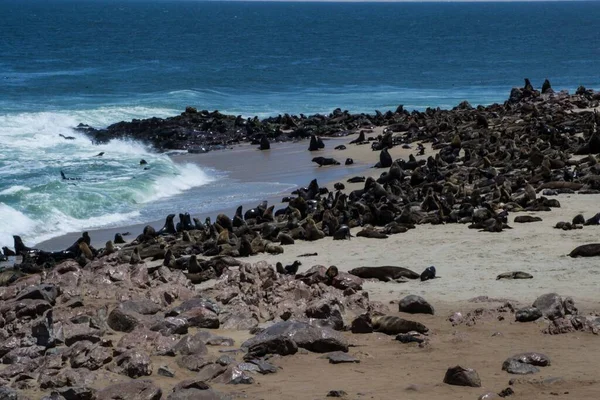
(201, 131)
(214, 310)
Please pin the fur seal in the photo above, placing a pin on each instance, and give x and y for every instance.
(193, 266)
(264, 143)
(315, 143)
(343, 232)
(349, 161)
(331, 272)
(135, 256)
(8, 252)
(288, 269)
(169, 227)
(579, 219)
(385, 159)
(23, 250)
(325, 161)
(372, 234)
(356, 179)
(428, 274)
(85, 250)
(514, 275)
(340, 147)
(109, 248)
(527, 218)
(385, 273)
(119, 239)
(339, 186)
(392, 325)
(586, 250)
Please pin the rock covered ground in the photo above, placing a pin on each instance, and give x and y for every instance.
(132, 323)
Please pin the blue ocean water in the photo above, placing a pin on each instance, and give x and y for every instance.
(66, 61)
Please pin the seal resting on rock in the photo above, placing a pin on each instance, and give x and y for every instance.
(385, 273)
(587, 250)
(391, 325)
(325, 161)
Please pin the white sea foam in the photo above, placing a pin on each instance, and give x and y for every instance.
(112, 189)
(14, 189)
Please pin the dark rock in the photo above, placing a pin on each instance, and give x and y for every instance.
(316, 339)
(339, 357)
(191, 345)
(513, 366)
(415, 305)
(131, 314)
(132, 390)
(460, 376)
(165, 371)
(274, 345)
(132, 363)
(77, 393)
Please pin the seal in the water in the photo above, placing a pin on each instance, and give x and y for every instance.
(429, 273)
(514, 275)
(391, 325)
(99, 154)
(143, 162)
(385, 273)
(587, 250)
(325, 161)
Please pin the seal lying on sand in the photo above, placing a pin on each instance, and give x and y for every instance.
(587, 250)
(514, 275)
(394, 325)
(385, 273)
(428, 274)
(325, 161)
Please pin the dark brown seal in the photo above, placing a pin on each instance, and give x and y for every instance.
(385, 273)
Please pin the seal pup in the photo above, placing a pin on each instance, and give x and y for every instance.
(118, 239)
(385, 273)
(392, 325)
(349, 161)
(429, 273)
(356, 179)
(514, 275)
(135, 256)
(325, 161)
(85, 250)
(109, 248)
(331, 273)
(193, 266)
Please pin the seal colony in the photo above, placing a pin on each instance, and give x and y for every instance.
(89, 323)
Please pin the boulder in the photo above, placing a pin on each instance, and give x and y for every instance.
(131, 314)
(306, 336)
(132, 363)
(551, 306)
(460, 376)
(132, 390)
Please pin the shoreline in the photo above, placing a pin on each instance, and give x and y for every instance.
(223, 162)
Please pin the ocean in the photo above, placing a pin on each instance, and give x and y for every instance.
(65, 62)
